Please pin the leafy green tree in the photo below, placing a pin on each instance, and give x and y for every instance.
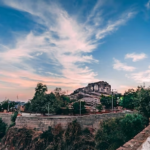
(54, 104)
(76, 108)
(41, 103)
(142, 101)
(40, 89)
(41, 100)
(65, 100)
(5, 104)
(107, 101)
(113, 133)
(28, 106)
(128, 99)
(132, 124)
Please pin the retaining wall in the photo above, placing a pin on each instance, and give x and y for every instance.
(6, 118)
(42, 123)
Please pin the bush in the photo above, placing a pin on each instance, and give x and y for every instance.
(113, 133)
(14, 116)
(2, 128)
(99, 107)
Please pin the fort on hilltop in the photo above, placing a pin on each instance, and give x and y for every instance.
(101, 87)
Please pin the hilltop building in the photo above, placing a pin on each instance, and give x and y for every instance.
(100, 87)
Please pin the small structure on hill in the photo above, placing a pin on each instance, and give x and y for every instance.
(100, 87)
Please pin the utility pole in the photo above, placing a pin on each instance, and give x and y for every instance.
(48, 109)
(8, 106)
(144, 85)
(112, 100)
(80, 107)
(95, 106)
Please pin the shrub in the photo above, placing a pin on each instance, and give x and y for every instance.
(115, 132)
(2, 128)
(14, 116)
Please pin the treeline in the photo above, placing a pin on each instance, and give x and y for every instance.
(138, 99)
(112, 134)
(52, 102)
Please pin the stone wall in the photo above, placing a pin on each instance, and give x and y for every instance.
(42, 123)
(140, 142)
(6, 118)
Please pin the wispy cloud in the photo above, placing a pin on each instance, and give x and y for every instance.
(113, 26)
(143, 76)
(67, 43)
(122, 66)
(148, 5)
(136, 57)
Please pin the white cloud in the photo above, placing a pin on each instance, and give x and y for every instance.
(143, 76)
(38, 54)
(148, 5)
(121, 66)
(136, 57)
(70, 48)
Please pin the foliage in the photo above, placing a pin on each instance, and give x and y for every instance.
(41, 100)
(13, 120)
(28, 106)
(139, 100)
(47, 135)
(72, 132)
(86, 131)
(76, 107)
(107, 101)
(65, 100)
(6, 103)
(132, 124)
(128, 99)
(99, 107)
(113, 133)
(75, 138)
(2, 128)
(14, 116)
(11, 125)
(40, 89)
(143, 101)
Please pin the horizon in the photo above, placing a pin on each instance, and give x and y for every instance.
(71, 43)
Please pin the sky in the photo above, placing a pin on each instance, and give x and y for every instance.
(70, 43)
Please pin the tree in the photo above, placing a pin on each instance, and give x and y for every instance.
(65, 100)
(114, 132)
(41, 103)
(40, 89)
(132, 124)
(142, 101)
(6, 103)
(107, 101)
(28, 106)
(128, 99)
(41, 100)
(76, 108)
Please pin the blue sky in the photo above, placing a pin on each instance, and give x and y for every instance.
(71, 43)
